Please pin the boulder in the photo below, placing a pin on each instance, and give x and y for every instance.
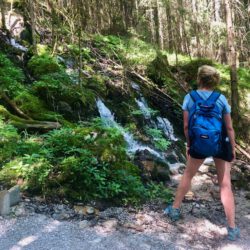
(4, 202)
(14, 194)
(152, 167)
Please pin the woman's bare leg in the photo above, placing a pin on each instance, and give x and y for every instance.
(191, 169)
(226, 194)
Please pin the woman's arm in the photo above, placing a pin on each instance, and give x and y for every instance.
(230, 131)
(185, 123)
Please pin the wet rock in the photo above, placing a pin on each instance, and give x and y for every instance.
(181, 169)
(204, 169)
(215, 192)
(247, 196)
(14, 194)
(19, 210)
(64, 108)
(152, 167)
(4, 202)
(86, 210)
(133, 226)
(209, 162)
(144, 219)
(83, 224)
(236, 174)
(110, 225)
(189, 196)
(90, 210)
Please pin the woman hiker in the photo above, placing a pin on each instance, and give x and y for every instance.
(204, 109)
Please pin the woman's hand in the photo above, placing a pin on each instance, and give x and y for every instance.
(234, 154)
(187, 151)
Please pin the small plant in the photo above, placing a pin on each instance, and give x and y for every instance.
(8, 141)
(158, 139)
(11, 77)
(159, 191)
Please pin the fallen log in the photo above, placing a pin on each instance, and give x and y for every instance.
(12, 104)
(144, 80)
(242, 151)
(39, 125)
(21, 123)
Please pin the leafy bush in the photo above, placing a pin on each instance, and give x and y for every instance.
(8, 140)
(191, 69)
(83, 163)
(35, 107)
(158, 138)
(158, 191)
(10, 76)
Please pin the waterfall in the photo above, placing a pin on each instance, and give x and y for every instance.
(165, 125)
(142, 104)
(160, 123)
(16, 45)
(109, 121)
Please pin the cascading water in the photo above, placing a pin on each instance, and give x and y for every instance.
(160, 123)
(16, 45)
(142, 104)
(109, 120)
(165, 125)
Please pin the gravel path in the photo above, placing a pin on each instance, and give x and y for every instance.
(202, 225)
(38, 232)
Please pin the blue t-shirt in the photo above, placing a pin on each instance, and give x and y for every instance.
(221, 102)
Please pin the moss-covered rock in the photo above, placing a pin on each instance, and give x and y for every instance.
(43, 64)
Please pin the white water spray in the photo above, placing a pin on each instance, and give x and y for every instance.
(109, 120)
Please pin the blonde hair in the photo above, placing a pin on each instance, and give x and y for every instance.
(208, 77)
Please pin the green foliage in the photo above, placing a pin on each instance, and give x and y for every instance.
(85, 52)
(10, 77)
(137, 52)
(159, 67)
(159, 192)
(35, 107)
(54, 87)
(191, 69)
(42, 49)
(244, 78)
(85, 178)
(29, 145)
(8, 140)
(139, 112)
(97, 83)
(158, 139)
(130, 51)
(43, 64)
(84, 163)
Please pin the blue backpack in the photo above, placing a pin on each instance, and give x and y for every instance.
(205, 125)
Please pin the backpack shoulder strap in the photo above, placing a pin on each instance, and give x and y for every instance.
(214, 96)
(195, 96)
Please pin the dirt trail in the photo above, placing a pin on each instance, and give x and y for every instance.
(202, 225)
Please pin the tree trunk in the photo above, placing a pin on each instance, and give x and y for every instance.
(136, 16)
(196, 28)
(158, 22)
(2, 3)
(232, 62)
(152, 23)
(33, 24)
(170, 28)
(217, 6)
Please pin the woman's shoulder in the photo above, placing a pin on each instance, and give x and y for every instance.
(223, 97)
